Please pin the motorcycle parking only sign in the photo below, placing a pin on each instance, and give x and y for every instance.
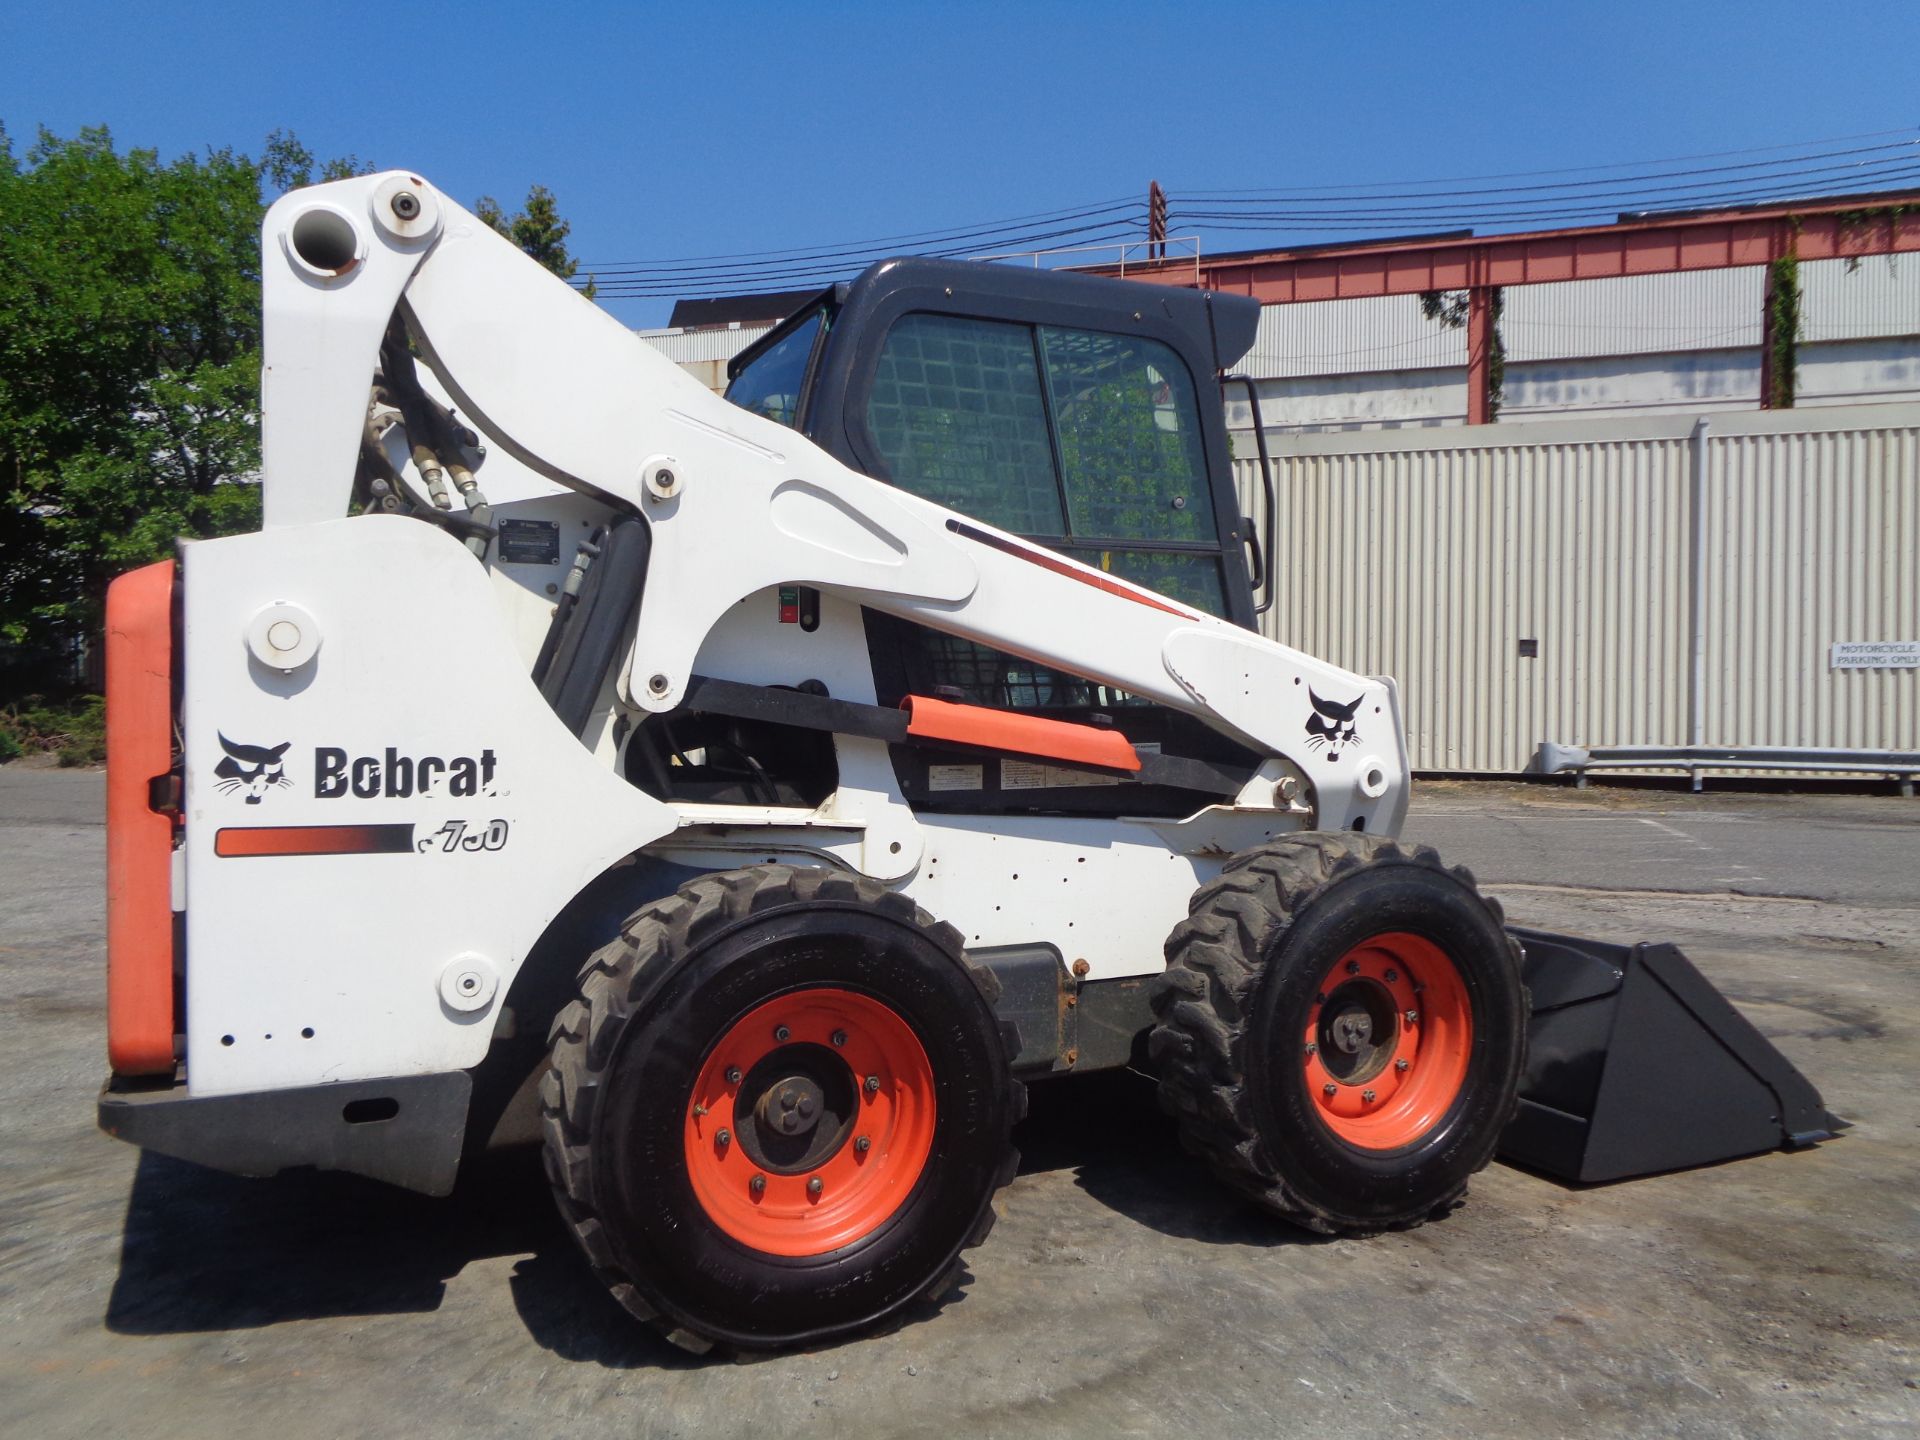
(1874, 655)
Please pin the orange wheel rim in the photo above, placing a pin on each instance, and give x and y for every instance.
(810, 1122)
(1387, 1041)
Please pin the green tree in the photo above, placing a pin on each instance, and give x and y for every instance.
(130, 361)
(539, 231)
(286, 164)
(129, 367)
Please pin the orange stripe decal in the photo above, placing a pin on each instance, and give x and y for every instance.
(1060, 565)
(140, 1016)
(242, 840)
(991, 729)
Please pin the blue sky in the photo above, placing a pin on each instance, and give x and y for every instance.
(687, 130)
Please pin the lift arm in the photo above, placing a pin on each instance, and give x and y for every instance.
(737, 503)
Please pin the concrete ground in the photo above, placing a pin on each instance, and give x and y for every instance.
(1123, 1293)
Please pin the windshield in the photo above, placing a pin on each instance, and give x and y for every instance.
(770, 386)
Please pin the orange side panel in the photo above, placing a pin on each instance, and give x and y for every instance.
(1021, 734)
(140, 1019)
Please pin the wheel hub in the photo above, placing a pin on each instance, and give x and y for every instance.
(1356, 1033)
(810, 1121)
(1386, 1041)
(791, 1106)
(801, 1100)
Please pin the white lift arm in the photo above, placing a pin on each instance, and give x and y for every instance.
(737, 503)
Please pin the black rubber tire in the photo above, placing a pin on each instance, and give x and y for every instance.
(1242, 972)
(625, 1055)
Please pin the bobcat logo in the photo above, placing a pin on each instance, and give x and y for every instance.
(1332, 725)
(251, 768)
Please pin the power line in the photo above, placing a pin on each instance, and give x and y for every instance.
(1303, 220)
(1070, 212)
(1792, 171)
(1672, 197)
(1619, 165)
(797, 277)
(1308, 195)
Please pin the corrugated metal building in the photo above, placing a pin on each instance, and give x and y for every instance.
(703, 352)
(1634, 345)
(1534, 582)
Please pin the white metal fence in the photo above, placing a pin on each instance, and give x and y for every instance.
(1435, 556)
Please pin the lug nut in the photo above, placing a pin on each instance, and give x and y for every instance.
(699, 1110)
(1367, 1095)
(873, 1084)
(1400, 1065)
(1392, 975)
(733, 1075)
(1413, 1017)
(1312, 1049)
(815, 1186)
(839, 1037)
(758, 1184)
(1353, 967)
(861, 1145)
(1320, 999)
(781, 1033)
(1329, 1089)
(725, 1137)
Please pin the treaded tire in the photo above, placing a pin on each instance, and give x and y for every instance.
(626, 1054)
(1246, 972)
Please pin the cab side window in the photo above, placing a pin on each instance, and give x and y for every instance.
(1129, 427)
(1085, 441)
(958, 414)
(771, 385)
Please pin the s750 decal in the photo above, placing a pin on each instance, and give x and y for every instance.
(455, 835)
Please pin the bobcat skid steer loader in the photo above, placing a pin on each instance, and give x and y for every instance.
(746, 800)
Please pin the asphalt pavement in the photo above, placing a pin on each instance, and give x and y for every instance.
(1123, 1293)
(1857, 849)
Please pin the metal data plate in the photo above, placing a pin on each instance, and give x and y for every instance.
(529, 542)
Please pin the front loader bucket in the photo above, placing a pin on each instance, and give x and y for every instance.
(1636, 1064)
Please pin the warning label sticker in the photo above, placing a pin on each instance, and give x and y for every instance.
(1032, 775)
(954, 777)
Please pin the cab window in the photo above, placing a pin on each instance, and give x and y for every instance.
(957, 412)
(771, 385)
(1085, 441)
(1129, 431)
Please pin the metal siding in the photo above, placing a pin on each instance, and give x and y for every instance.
(689, 346)
(1428, 556)
(1813, 538)
(1878, 298)
(1341, 337)
(1633, 315)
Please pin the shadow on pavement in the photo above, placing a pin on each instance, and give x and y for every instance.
(1108, 1128)
(203, 1251)
(206, 1251)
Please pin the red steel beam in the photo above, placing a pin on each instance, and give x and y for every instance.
(1479, 355)
(1718, 240)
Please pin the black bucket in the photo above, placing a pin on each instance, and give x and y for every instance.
(1636, 1064)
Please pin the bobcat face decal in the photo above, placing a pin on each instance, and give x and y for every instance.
(1332, 725)
(252, 768)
